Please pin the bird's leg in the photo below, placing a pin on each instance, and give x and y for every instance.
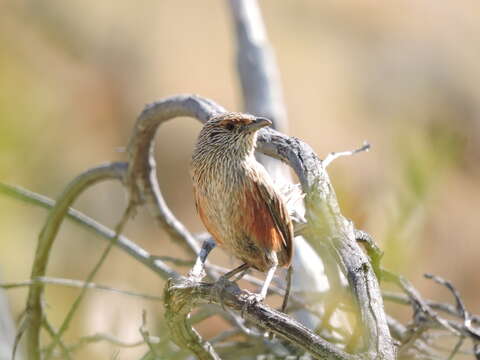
(268, 280)
(240, 275)
(287, 289)
(198, 271)
(254, 298)
(242, 268)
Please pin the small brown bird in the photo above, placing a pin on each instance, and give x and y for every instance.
(236, 198)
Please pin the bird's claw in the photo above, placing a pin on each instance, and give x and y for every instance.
(250, 299)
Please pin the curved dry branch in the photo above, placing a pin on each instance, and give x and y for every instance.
(326, 223)
(142, 177)
(34, 311)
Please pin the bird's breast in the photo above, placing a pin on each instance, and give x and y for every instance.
(218, 194)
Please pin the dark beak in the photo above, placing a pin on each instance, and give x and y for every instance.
(258, 123)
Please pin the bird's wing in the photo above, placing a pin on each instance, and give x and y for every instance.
(279, 214)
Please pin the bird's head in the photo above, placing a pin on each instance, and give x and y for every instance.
(233, 132)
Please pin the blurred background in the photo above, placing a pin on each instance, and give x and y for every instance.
(74, 75)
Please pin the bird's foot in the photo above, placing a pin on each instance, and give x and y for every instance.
(250, 299)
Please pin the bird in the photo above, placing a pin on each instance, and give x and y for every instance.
(236, 198)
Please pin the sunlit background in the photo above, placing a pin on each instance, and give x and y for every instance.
(403, 75)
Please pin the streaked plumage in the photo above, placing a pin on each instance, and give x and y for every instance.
(236, 198)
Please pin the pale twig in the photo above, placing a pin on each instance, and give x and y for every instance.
(174, 260)
(146, 335)
(128, 246)
(335, 155)
(402, 335)
(397, 329)
(77, 284)
(460, 306)
(403, 299)
(84, 340)
(467, 329)
(417, 300)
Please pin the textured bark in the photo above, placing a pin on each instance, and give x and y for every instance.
(182, 294)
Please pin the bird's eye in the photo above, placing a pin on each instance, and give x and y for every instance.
(229, 126)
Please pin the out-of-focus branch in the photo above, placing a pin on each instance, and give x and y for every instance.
(146, 335)
(66, 353)
(258, 73)
(98, 337)
(68, 318)
(415, 337)
(76, 284)
(34, 311)
(257, 68)
(466, 316)
(141, 255)
(419, 305)
(435, 305)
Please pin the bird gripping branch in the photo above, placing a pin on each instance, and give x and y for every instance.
(237, 200)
